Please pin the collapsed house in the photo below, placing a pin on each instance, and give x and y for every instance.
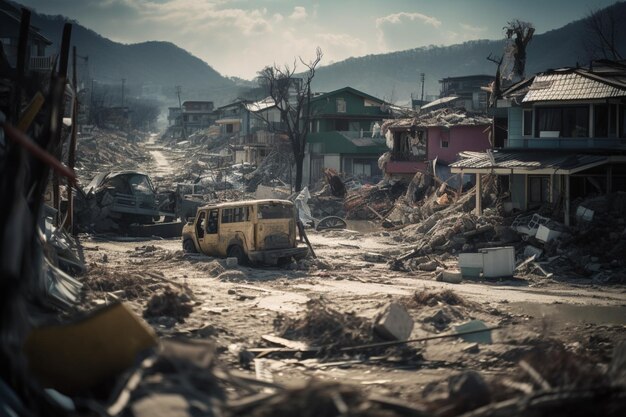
(437, 135)
(566, 138)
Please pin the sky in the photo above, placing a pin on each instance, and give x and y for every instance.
(239, 37)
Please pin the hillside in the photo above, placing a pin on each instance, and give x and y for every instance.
(397, 74)
(160, 63)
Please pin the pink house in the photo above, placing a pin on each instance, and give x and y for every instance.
(440, 134)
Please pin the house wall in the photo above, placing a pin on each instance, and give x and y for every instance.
(459, 138)
(333, 161)
(516, 115)
(355, 104)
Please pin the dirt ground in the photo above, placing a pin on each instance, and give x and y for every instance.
(236, 306)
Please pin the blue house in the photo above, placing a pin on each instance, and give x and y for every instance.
(566, 138)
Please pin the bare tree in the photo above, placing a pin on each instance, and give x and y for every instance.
(602, 27)
(521, 33)
(292, 96)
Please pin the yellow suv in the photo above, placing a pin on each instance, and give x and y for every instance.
(254, 231)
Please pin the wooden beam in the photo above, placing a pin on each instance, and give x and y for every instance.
(567, 201)
(479, 203)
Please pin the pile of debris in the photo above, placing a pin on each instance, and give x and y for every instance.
(373, 202)
(275, 166)
(592, 247)
(106, 149)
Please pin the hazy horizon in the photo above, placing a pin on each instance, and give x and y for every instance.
(239, 37)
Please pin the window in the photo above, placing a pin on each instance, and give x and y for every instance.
(235, 215)
(538, 189)
(342, 125)
(601, 120)
(528, 122)
(229, 128)
(341, 105)
(570, 122)
(201, 225)
(275, 211)
(444, 143)
(211, 227)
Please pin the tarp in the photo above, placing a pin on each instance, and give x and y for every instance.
(304, 211)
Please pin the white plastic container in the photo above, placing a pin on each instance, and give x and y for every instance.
(498, 262)
(471, 264)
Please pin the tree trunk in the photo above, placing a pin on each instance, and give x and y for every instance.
(299, 168)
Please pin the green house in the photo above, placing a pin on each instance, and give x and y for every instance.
(344, 134)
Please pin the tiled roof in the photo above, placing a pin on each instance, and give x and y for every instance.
(525, 160)
(572, 85)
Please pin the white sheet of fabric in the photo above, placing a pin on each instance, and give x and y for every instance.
(304, 211)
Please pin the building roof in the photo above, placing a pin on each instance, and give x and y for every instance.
(34, 32)
(338, 143)
(349, 90)
(574, 85)
(266, 103)
(512, 162)
(439, 101)
(438, 118)
(468, 77)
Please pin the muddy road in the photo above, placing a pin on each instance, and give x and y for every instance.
(237, 306)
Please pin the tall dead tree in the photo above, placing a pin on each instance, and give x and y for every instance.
(292, 95)
(521, 33)
(603, 28)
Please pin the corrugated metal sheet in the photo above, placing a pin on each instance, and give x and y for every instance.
(525, 160)
(570, 86)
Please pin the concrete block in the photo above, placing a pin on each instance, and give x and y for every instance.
(231, 262)
(545, 234)
(394, 323)
(452, 276)
(531, 250)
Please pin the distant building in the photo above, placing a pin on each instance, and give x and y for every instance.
(36, 58)
(566, 138)
(197, 115)
(345, 134)
(467, 91)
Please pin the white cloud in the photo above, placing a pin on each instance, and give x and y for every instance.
(405, 30)
(401, 17)
(299, 13)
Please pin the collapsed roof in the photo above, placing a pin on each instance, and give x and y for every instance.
(438, 118)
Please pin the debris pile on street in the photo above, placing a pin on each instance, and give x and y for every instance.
(107, 149)
(169, 302)
(322, 325)
(373, 202)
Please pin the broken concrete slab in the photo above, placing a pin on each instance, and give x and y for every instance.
(394, 323)
(451, 276)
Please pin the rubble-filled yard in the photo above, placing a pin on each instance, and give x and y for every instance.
(317, 318)
(390, 318)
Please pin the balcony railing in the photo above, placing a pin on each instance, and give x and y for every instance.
(567, 143)
(363, 134)
(41, 63)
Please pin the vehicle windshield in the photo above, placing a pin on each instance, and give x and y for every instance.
(275, 211)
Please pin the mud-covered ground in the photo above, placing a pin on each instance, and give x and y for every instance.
(236, 306)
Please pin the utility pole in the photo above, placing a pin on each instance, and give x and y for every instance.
(123, 82)
(422, 78)
(182, 119)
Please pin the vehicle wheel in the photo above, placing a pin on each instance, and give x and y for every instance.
(188, 246)
(236, 251)
(331, 222)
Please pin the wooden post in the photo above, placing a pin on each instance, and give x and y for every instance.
(567, 198)
(56, 144)
(22, 48)
(71, 159)
(479, 193)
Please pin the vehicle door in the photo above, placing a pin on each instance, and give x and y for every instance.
(211, 232)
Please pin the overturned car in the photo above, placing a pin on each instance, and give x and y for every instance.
(116, 199)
